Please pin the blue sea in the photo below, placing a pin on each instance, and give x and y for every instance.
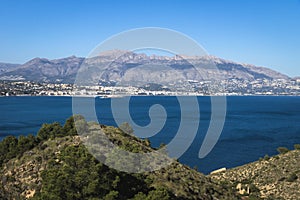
(254, 125)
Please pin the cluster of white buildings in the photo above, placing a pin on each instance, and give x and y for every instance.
(190, 88)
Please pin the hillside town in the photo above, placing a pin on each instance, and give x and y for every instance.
(195, 88)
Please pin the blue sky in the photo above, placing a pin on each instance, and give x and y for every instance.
(260, 32)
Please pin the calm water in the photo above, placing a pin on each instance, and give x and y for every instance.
(254, 126)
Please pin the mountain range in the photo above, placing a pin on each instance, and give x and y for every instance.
(117, 65)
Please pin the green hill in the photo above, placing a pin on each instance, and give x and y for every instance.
(56, 165)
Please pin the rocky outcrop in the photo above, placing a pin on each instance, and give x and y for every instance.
(273, 178)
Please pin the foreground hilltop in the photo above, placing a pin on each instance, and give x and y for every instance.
(56, 165)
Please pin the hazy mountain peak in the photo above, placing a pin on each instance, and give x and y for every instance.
(114, 53)
(37, 60)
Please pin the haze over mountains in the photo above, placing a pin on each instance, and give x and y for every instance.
(119, 65)
(6, 67)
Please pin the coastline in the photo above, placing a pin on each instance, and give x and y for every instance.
(121, 96)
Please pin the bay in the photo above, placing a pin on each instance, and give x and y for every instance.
(254, 125)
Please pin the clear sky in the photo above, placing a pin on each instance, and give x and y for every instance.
(260, 32)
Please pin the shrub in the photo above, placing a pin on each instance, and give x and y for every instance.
(159, 193)
(8, 148)
(49, 131)
(267, 157)
(69, 127)
(253, 197)
(253, 188)
(111, 195)
(297, 146)
(292, 177)
(282, 150)
(139, 196)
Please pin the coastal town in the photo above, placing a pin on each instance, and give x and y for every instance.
(191, 87)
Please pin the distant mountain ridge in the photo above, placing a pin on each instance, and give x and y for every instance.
(6, 67)
(116, 65)
(44, 70)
